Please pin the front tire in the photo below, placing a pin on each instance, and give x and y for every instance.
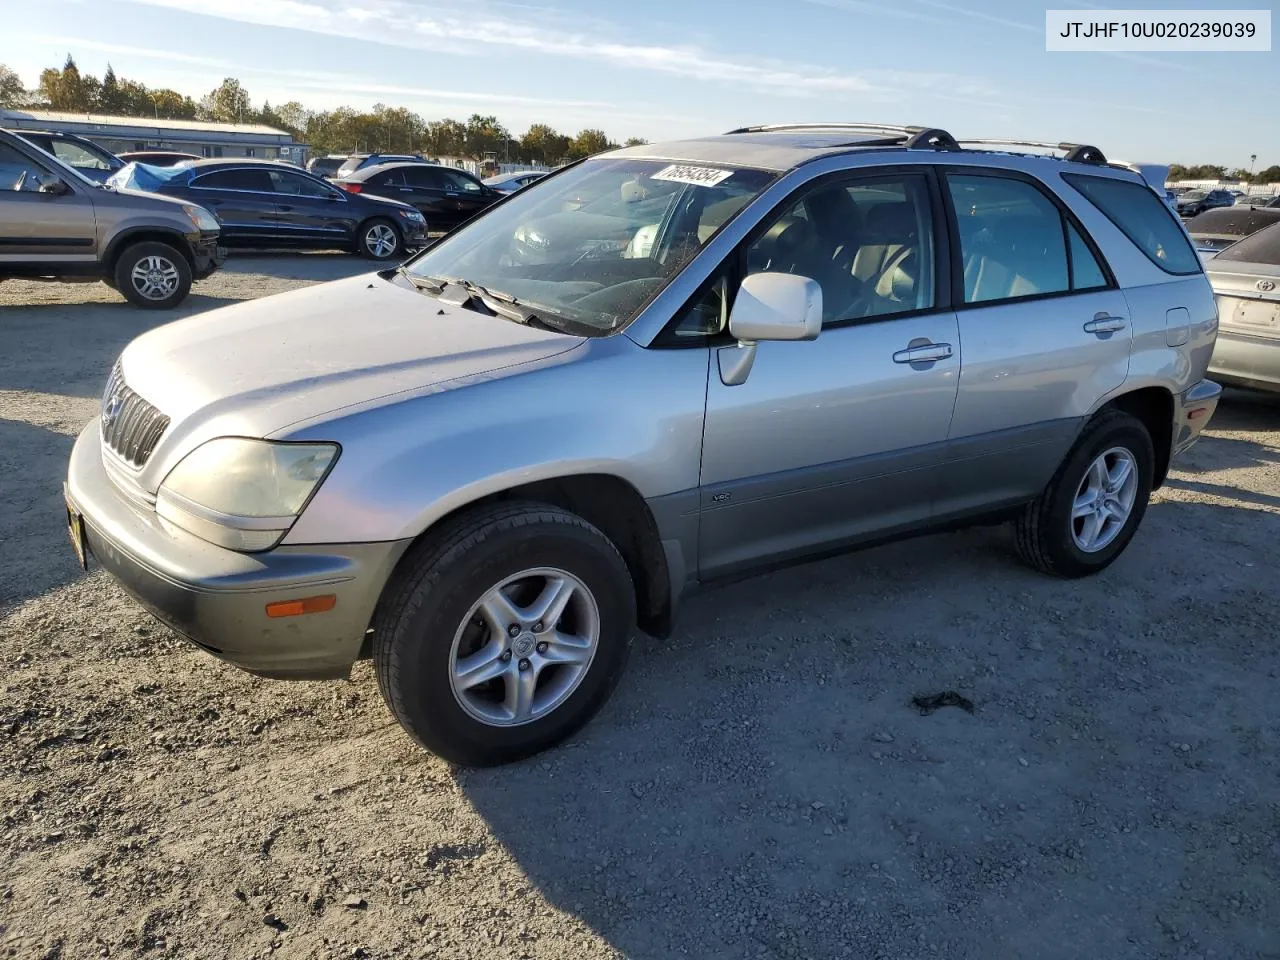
(503, 633)
(153, 275)
(380, 240)
(1092, 507)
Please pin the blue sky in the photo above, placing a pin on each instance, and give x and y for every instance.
(670, 68)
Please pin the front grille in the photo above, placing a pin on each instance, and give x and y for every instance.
(130, 426)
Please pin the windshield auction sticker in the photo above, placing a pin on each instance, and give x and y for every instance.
(1171, 31)
(698, 176)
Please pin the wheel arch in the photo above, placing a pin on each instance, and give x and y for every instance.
(131, 235)
(614, 506)
(1154, 407)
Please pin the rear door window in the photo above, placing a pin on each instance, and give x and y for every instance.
(1143, 218)
(256, 181)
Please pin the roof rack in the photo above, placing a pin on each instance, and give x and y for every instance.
(922, 138)
(1076, 152)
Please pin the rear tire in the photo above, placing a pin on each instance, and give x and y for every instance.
(453, 651)
(1086, 516)
(153, 275)
(379, 239)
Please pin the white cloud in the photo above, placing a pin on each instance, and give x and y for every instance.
(487, 30)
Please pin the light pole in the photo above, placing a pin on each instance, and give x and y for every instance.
(1252, 159)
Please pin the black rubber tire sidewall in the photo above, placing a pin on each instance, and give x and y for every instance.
(363, 247)
(414, 639)
(129, 258)
(1114, 429)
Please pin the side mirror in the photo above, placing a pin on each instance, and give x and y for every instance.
(777, 306)
(53, 185)
(769, 306)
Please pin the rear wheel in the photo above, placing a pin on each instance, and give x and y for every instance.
(153, 275)
(380, 240)
(503, 633)
(1092, 507)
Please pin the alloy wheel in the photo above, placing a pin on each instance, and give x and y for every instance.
(524, 647)
(1104, 500)
(380, 240)
(155, 277)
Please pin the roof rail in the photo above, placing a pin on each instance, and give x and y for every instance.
(1076, 152)
(923, 138)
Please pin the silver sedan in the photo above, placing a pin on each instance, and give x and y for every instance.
(1246, 281)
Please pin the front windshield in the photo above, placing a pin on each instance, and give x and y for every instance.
(594, 244)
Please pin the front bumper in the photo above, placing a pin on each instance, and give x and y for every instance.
(217, 598)
(1246, 361)
(206, 255)
(415, 233)
(1193, 411)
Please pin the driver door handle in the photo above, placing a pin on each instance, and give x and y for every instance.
(925, 353)
(1103, 323)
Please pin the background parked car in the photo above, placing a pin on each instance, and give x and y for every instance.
(1216, 230)
(326, 166)
(156, 158)
(58, 225)
(84, 156)
(261, 203)
(359, 161)
(1264, 202)
(511, 182)
(445, 196)
(1246, 281)
(1198, 201)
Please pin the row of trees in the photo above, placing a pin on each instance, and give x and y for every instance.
(1213, 171)
(384, 128)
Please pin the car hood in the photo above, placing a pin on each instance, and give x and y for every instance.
(257, 368)
(385, 201)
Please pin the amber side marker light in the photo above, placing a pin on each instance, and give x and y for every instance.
(295, 608)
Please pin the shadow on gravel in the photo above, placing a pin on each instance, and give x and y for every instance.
(761, 785)
(1226, 492)
(291, 265)
(1216, 452)
(33, 542)
(1247, 410)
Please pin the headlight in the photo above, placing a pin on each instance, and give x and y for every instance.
(201, 218)
(413, 215)
(243, 494)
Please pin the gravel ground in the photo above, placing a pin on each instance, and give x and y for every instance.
(759, 787)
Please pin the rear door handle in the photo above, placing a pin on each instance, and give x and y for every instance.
(1102, 323)
(925, 353)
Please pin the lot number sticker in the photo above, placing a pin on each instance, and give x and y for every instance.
(698, 176)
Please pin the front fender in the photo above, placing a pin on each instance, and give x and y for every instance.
(613, 408)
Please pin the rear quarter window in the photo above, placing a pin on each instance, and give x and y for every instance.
(1260, 247)
(1143, 218)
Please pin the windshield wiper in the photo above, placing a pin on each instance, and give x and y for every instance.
(495, 301)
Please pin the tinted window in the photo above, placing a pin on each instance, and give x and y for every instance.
(16, 171)
(1011, 239)
(296, 186)
(392, 178)
(424, 176)
(1086, 272)
(1143, 218)
(1260, 247)
(458, 181)
(869, 245)
(243, 179)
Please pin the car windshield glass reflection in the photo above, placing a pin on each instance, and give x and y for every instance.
(594, 244)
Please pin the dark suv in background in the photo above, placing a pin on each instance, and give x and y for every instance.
(361, 161)
(1197, 202)
(82, 155)
(262, 203)
(56, 225)
(445, 196)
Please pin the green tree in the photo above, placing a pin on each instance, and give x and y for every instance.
(1269, 174)
(12, 91)
(110, 97)
(636, 142)
(541, 144)
(167, 104)
(485, 135)
(588, 142)
(293, 116)
(67, 89)
(445, 138)
(228, 102)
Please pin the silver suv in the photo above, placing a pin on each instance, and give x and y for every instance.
(656, 368)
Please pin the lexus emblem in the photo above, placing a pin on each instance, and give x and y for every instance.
(1266, 286)
(111, 409)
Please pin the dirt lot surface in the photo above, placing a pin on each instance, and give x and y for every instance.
(759, 787)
